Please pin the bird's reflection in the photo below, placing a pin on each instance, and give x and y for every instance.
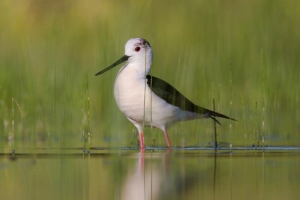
(145, 179)
(166, 175)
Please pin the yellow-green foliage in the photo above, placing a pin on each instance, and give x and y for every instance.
(238, 52)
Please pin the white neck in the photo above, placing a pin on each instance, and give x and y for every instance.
(141, 65)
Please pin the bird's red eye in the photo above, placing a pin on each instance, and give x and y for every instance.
(137, 49)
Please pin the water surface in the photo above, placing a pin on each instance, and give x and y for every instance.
(128, 174)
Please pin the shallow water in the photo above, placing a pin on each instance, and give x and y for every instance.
(128, 174)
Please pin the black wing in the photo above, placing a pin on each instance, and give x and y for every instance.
(167, 92)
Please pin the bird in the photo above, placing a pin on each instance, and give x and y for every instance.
(147, 100)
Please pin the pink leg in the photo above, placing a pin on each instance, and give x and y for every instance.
(167, 139)
(142, 143)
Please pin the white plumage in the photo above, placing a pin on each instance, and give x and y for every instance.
(147, 100)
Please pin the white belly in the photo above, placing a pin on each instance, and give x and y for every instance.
(136, 100)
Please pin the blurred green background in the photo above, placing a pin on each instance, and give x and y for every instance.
(243, 54)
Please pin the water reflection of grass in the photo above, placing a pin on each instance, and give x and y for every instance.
(245, 49)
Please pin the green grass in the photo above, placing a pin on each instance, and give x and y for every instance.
(237, 52)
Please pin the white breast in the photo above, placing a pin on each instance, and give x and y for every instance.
(136, 100)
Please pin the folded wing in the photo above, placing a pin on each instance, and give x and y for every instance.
(167, 92)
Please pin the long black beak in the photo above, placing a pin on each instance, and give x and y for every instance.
(123, 59)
